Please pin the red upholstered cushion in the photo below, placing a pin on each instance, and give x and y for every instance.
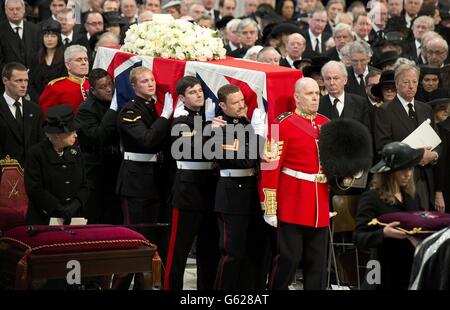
(414, 220)
(73, 238)
(10, 218)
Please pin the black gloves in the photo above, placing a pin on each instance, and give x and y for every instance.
(69, 210)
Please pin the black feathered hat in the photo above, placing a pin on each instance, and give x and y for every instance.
(345, 148)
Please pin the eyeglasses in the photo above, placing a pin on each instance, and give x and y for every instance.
(431, 52)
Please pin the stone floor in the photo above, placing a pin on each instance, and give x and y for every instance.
(190, 277)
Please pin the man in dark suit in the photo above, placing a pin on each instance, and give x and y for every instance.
(20, 120)
(342, 35)
(19, 39)
(209, 9)
(70, 32)
(295, 47)
(395, 120)
(413, 48)
(378, 15)
(315, 35)
(360, 54)
(338, 103)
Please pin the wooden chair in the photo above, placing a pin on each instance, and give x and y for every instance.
(13, 198)
(346, 207)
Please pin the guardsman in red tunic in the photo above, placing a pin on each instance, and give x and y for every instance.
(72, 89)
(294, 191)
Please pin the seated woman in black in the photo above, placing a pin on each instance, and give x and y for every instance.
(392, 190)
(55, 178)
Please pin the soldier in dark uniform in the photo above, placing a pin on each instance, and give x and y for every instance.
(243, 238)
(193, 191)
(99, 143)
(55, 178)
(143, 134)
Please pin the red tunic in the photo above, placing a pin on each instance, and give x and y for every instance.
(66, 90)
(296, 201)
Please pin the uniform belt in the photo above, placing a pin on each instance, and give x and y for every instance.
(140, 157)
(194, 165)
(318, 177)
(236, 173)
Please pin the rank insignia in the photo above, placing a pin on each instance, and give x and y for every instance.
(131, 120)
(188, 133)
(233, 147)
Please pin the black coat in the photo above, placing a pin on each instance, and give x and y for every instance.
(99, 143)
(333, 54)
(12, 141)
(393, 124)
(192, 189)
(12, 48)
(395, 255)
(352, 85)
(442, 170)
(355, 107)
(141, 131)
(237, 195)
(285, 63)
(52, 181)
(324, 39)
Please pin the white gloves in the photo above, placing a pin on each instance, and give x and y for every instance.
(271, 220)
(113, 105)
(259, 122)
(168, 106)
(180, 110)
(210, 110)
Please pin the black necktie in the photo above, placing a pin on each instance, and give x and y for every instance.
(18, 115)
(317, 48)
(334, 110)
(411, 112)
(361, 81)
(66, 41)
(17, 31)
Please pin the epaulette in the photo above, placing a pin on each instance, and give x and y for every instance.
(56, 80)
(283, 116)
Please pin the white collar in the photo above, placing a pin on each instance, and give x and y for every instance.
(365, 73)
(313, 37)
(10, 101)
(13, 26)
(70, 36)
(405, 103)
(341, 98)
(417, 43)
(291, 61)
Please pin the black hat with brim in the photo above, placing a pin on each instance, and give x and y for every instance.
(397, 156)
(317, 62)
(387, 78)
(439, 97)
(385, 58)
(60, 120)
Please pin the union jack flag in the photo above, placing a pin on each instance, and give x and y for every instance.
(268, 87)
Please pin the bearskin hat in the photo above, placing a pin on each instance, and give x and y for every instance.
(345, 148)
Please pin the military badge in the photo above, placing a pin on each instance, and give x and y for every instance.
(273, 150)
